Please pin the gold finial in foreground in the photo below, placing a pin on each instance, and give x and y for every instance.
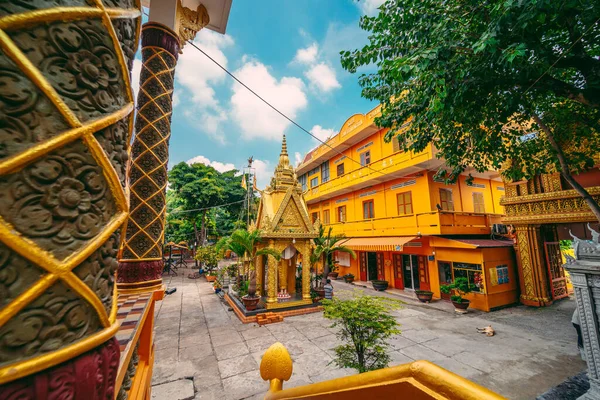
(276, 366)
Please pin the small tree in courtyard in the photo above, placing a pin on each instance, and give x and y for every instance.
(366, 324)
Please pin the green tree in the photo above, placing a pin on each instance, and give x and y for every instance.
(246, 242)
(511, 85)
(325, 245)
(199, 187)
(365, 325)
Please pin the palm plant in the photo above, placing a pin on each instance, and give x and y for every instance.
(325, 246)
(248, 241)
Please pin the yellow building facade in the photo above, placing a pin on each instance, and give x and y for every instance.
(408, 228)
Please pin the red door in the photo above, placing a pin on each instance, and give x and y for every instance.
(362, 263)
(380, 269)
(423, 274)
(398, 283)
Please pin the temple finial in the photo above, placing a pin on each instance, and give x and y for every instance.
(284, 160)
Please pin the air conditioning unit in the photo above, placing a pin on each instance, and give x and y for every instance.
(500, 229)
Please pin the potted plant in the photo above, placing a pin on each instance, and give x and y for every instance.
(217, 286)
(348, 278)
(424, 296)
(333, 274)
(211, 276)
(319, 286)
(209, 257)
(325, 246)
(380, 286)
(457, 290)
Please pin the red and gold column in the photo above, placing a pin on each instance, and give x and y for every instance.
(66, 117)
(533, 276)
(141, 262)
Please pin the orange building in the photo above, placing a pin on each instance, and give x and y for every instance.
(408, 228)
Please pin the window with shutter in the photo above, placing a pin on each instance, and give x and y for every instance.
(340, 169)
(478, 202)
(446, 200)
(404, 203)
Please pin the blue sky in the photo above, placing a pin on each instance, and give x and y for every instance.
(288, 52)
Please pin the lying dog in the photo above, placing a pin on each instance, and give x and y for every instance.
(488, 330)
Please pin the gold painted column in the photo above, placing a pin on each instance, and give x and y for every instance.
(67, 117)
(306, 270)
(141, 261)
(283, 267)
(533, 277)
(259, 270)
(272, 277)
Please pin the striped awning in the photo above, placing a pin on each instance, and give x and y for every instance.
(390, 243)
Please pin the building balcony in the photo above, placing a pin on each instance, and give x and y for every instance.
(429, 223)
(397, 165)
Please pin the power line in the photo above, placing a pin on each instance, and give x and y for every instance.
(206, 208)
(277, 110)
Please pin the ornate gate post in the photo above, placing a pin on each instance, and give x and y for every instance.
(585, 276)
(141, 261)
(533, 277)
(66, 112)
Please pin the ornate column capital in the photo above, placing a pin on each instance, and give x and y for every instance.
(189, 22)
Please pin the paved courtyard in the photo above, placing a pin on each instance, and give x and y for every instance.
(204, 352)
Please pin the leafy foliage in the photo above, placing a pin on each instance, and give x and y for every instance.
(460, 286)
(209, 256)
(494, 84)
(365, 324)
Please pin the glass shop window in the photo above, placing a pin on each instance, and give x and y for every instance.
(472, 272)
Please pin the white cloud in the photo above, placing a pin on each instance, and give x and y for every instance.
(322, 77)
(135, 78)
(219, 166)
(255, 118)
(197, 74)
(370, 7)
(297, 158)
(322, 133)
(307, 55)
(264, 172)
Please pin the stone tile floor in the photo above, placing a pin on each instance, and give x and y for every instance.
(197, 339)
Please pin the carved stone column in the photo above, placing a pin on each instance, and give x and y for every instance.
(66, 110)
(533, 277)
(585, 276)
(306, 270)
(272, 277)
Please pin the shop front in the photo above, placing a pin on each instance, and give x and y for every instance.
(426, 263)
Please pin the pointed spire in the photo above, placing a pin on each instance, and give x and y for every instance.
(284, 160)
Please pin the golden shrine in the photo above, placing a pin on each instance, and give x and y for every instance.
(286, 227)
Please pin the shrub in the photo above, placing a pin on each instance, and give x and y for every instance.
(365, 325)
(208, 256)
(460, 286)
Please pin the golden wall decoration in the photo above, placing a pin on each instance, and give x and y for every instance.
(67, 112)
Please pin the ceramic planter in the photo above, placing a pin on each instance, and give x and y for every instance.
(211, 278)
(380, 286)
(424, 296)
(462, 306)
(333, 275)
(348, 279)
(320, 292)
(250, 302)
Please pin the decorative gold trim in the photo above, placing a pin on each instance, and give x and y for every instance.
(25, 298)
(563, 194)
(126, 260)
(19, 370)
(287, 304)
(127, 291)
(141, 283)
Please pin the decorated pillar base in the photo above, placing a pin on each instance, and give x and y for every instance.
(533, 278)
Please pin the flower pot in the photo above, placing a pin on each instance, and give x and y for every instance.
(320, 292)
(333, 275)
(211, 278)
(217, 290)
(380, 286)
(348, 279)
(424, 296)
(250, 302)
(462, 306)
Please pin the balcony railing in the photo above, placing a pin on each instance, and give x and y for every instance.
(429, 223)
(376, 169)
